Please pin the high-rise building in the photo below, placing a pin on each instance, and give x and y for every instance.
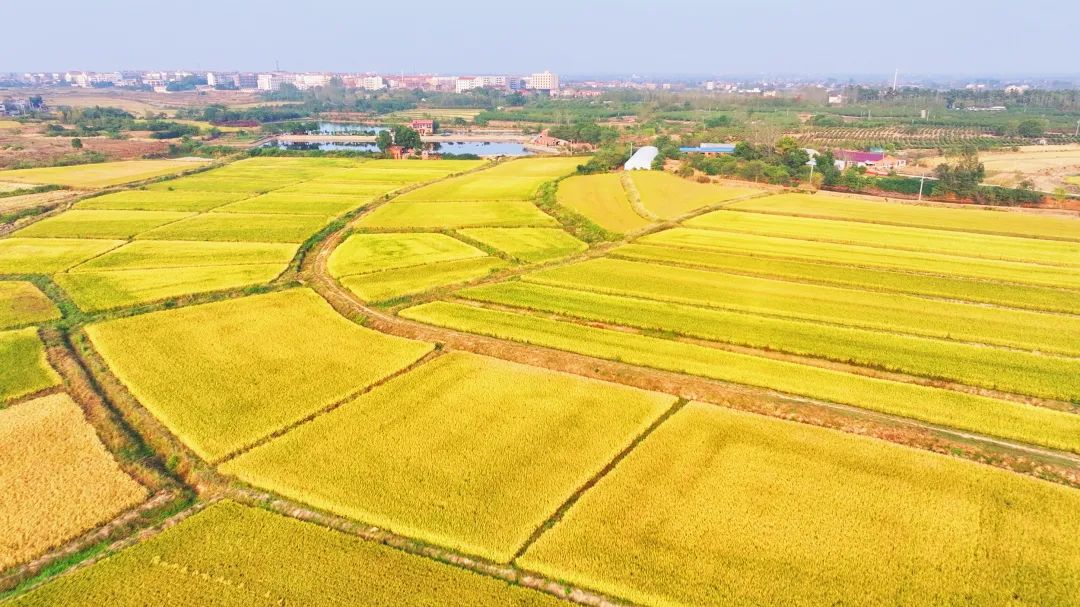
(544, 81)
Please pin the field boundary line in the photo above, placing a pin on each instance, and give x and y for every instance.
(633, 196)
(578, 493)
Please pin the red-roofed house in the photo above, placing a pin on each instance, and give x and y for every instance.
(424, 127)
(878, 162)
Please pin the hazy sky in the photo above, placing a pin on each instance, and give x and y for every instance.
(567, 36)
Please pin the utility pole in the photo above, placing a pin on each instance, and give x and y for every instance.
(1077, 129)
(922, 180)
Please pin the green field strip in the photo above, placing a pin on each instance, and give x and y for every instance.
(25, 367)
(987, 416)
(897, 281)
(1041, 331)
(986, 246)
(1013, 371)
(977, 219)
(362, 253)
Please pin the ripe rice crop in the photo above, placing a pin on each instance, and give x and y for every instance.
(241, 227)
(746, 262)
(528, 244)
(211, 182)
(21, 303)
(150, 200)
(867, 309)
(94, 291)
(145, 254)
(668, 196)
(514, 180)
(57, 480)
(297, 203)
(988, 246)
(460, 214)
(362, 253)
(26, 370)
(417, 455)
(1005, 419)
(916, 262)
(100, 224)
(719, 507)
(102, 174)
(232, 555)
(601, 199)
(979, 219)
(978, 365)
(335, 188)
(388, 284)
(48, 255)
(223, 375)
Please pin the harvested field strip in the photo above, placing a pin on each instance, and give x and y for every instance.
(237, 227)
(25, 367)
(224, 375)
(853, 255)
(22, 303)
(103, 174)
(147, 200)
(895, 281)
(461, 214)
(116, 288)
(669, 197)
(716, 505)
(48, 255)
(386, 285)
(147, 254)
(976, 219)
(602, 200)
(414, 455)
(57, 480)
(1006, 370)
(229, 555)
(848, 307)
(1003, 419)
(361, 253)
(985, 246)
(528, 244)
(100, 224)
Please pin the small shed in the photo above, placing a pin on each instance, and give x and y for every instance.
(642, 159)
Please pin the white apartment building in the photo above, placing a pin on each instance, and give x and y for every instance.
(544, 81)
(267, 82)
(372, 83)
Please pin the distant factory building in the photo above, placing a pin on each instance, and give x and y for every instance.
(642, 159)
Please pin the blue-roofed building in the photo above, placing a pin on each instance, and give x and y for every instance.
(711, 149)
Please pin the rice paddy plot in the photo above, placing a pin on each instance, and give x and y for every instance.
(147, 254)
(669, 197)
(223, 375)
(337, 188)
(157, 200)
(58, 481)
(461, 214)
(987, 246)
(964, 289)
(22, 303)
(1013, 371)
(210, 182)
(115, 225)
(716, 506)
(230, 555)
(869, 257)
(386, 285)
(362, 253)
(102, 174)
(297, 204)
(110, 289)
(602, 200)
(417, 455)
(26, 369)
(445, 167)
(856, 308)
(992, 417)
(975, 219)
(477, 186)
(528, 244)
(48, 255)
(241, 227)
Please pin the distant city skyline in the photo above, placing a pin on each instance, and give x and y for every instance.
(565, 36)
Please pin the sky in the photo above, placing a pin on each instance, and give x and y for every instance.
(988, 37)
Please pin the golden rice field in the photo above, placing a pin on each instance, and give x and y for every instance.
(112, 225)
(530, 245)
(155, 200)
(58, 481)
(26, 369)
(22, 303)
(224, 375)
(459, 440)
(363, 253)
(233, 555)
(386, 285)
(670, 197)
(101, 175)
(458, 214)
(726, 508)
(48, 255)
(513, 180)
(602, 200)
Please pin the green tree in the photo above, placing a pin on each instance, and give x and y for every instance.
(1032, 127)
(76, 143)
(384, 140)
